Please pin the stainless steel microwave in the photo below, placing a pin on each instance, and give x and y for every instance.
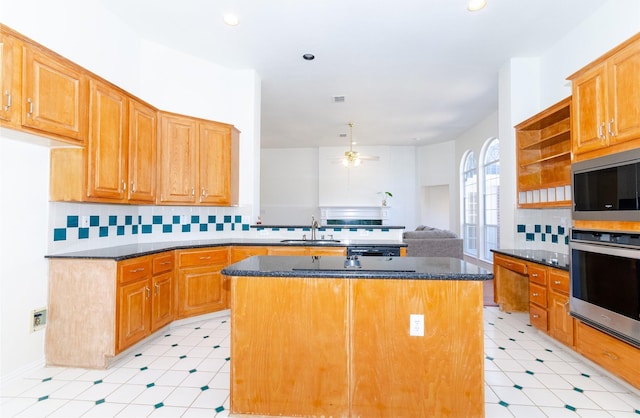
(607, 188)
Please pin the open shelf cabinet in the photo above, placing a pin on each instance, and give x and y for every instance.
(543, 144)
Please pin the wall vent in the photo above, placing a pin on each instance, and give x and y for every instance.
(338, 99)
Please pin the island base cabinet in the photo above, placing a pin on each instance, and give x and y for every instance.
(396, 374)
(343, 347)
(291, 338)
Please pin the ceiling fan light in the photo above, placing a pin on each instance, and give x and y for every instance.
(475, 5)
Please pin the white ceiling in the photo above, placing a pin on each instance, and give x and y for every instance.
(412, 72)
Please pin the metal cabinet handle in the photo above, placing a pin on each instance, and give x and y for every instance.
(148, 291)
(557, 282)
(30, 112)
(164, 263)
(601, 131)
(534, 274)
(157, 289)
(536, 316)
(205, 258)
(567, 307)
(124, 186)
(133, 187)
(535, 294)
(609, 125)
(193, 191)
(136, 270)
(610, 355)
(8, 105)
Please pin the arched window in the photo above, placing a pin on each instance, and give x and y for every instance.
(491, 198)
(469, 205)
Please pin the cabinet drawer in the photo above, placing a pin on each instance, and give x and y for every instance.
(538, 295)
(538, 275)
(614, 355)
(559, 280)
(163, 262)
(538, 317)
(134, 269)
(510, 264)
(203, 257)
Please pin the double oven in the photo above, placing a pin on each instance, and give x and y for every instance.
(605, 264)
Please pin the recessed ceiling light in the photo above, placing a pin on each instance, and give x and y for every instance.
(475, 5)
(231, 19)
(309, 57)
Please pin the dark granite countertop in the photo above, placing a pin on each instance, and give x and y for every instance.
(414, 268)
(546, 258)
(123, 252)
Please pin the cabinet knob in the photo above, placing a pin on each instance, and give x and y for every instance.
(535, 294)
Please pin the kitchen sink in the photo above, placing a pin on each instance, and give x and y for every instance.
(310, 241)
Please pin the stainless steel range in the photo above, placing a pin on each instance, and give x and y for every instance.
(605, 281)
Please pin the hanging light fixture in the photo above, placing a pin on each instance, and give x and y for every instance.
(351, 157)
(475, 5)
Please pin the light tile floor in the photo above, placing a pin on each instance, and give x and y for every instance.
(186, 373)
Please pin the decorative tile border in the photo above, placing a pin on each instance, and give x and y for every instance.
(554, 234)
(122, 225)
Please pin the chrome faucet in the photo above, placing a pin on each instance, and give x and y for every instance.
(314, 227)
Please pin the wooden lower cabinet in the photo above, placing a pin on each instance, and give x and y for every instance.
(145, 298)
(358, 359)
(616, 356)
(561, 323)
(511, 283)
(239, 253)
(201, 286)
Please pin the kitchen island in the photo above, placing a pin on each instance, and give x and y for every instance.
(368, 337)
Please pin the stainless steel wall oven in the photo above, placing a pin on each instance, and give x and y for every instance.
(605, 281)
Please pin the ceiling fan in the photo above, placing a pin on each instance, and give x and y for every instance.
(353, 158)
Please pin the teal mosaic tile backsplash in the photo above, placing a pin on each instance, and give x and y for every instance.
(76, 226)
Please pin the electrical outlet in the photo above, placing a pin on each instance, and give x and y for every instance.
(38, 319)
(416, 325)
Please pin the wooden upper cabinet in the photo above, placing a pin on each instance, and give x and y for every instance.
(217, 147)
(606, 103)
(107, 145)
(544, 157)
(54, 95)
(198, 161)
(10, 70)
(178, 159)
(143, 137)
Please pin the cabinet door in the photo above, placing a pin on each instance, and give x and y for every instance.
(328, 251)
(214, 151)
(588, 112)
(178, 160)
(10, 69)
(288, 250)
(560, 322)
(239, 253)
(133, 313)
(624, 94)
(55, 96)
(107, 145)
(143, 137)
(162, 307)
(200, 290)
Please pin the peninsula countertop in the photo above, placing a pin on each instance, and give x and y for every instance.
(124, 252)
(546, 258)
(411, 268)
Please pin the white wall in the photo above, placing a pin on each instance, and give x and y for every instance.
(24, 189)
(295, 182)
(289, 186)
(86, 33)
